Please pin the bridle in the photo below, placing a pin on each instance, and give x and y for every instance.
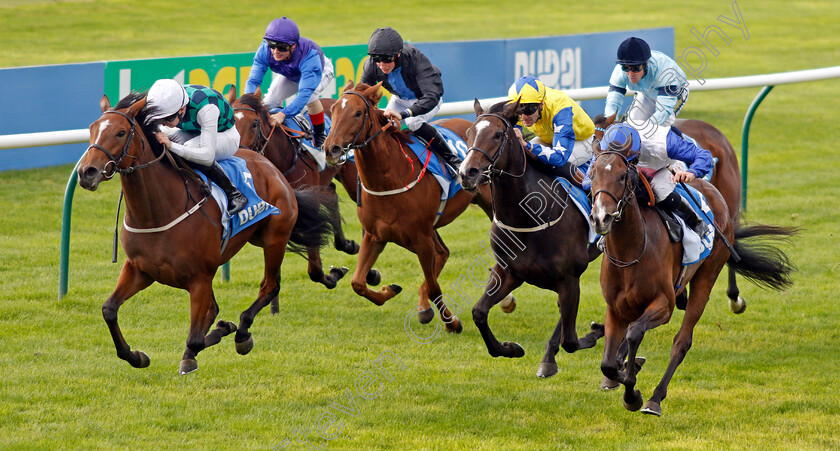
(353, 145)
(259, 137)
(112, 166)
(503, 146)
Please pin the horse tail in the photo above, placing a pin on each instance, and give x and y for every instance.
(318, 216)
(762, 263)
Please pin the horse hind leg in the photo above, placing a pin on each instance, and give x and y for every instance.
(316, 272)
(269, 290)
(368, 253)
(203, 312)
(130, 282)
(736, 303)
(432, 266)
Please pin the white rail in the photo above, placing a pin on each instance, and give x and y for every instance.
(465, 107)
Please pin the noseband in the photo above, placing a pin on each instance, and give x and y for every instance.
(112, 166)
(626, 195)
(492, 170)
(353, 145)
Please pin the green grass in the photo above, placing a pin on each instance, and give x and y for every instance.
(762, 380)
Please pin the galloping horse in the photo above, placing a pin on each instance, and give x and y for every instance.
(398, 204)
(186, 252)
(548, 250)
(282, 149)
(641, 269)
(726, 178)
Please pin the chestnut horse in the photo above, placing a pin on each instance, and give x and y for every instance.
(399, 201)
(186, 252)
(548, 249)
(283, 148)
(726, 178)
(642, 267)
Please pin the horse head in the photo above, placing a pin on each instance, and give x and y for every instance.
(250, 115)
(116, 141)
(601, 123)
(614, 178)
(490, 141)
(355, 121)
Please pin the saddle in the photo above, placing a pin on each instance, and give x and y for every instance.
(675, 231)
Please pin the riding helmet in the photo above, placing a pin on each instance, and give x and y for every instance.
(282, 30)
(622, 137)
(527, 89)
(633, 51)
(165, 98)
(385, 41)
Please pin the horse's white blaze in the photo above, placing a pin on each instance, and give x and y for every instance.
(343, 103)
(608, 167)
(480, 127)
(102, 127)
(599, 212)
(238, 115)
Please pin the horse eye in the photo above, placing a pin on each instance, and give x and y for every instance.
(358, 113)
(121, 133)
(498, 135)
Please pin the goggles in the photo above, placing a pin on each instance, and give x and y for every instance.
(376, 58)
(632, 67)
(528, 109)
(281, 46)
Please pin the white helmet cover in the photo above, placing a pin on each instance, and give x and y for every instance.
(165, 98)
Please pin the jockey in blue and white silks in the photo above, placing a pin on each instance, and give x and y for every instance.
(657, 166)
(564, 132)
(301, 69)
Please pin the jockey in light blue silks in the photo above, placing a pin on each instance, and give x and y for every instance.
(301, 69)
(655, 165)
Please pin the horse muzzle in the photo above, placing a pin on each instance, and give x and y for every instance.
(601, 220)
(472, 177)
(91, 176)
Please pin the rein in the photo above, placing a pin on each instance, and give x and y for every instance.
(115, 162)
(621, 204)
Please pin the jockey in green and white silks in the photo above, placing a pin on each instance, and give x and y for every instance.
(196, 123)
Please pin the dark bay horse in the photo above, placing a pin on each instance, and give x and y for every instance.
(642, 267)
(282, 147)
(726, 178)
(546, 248)
(399, 201)
(172, 233)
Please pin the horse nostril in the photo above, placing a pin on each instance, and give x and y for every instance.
(472, 172)
(89, 173)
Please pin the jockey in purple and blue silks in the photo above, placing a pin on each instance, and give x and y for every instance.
(303, 70)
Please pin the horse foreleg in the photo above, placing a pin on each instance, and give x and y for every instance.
(203, 311)
(349, 178)
(131, 281)
(432, 254)
(657, 313)
(501, 283)
(442, 255)
(700, 292)
(368, 253)
(614, 331)
(269, 289)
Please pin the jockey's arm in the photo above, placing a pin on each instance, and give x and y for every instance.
(258, 69)
(698, 159)
(430, 83)
(310, 77)
(664, 108)
(615, 95)
(205, 152)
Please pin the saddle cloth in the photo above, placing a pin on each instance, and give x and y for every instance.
(449, 187)
(302, 124)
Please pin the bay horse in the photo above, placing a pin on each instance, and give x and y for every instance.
(283, 148)
(548, 249)
(398, 204)
(726, 178)
(186, 252)
(642, 267)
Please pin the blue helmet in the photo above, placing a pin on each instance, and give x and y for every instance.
(282, 30)
(622, 138)
(633, 51)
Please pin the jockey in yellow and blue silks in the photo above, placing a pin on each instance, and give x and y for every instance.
(657, 167)
(301, 69)
(564, 132)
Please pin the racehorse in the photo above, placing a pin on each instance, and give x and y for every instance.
(548, 250)
(641, 269)
(283, 148)
(186, 252)
(398, 204)
(726, 178)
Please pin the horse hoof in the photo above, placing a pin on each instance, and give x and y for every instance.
(512, 350)
(738, 306)
(275, 306)
(338, 273)
(454, 326)
(636, 403)
(141, 360)
(395, 288)
(351, 248)
(426, 316)
(652, 408)
(373, 277)
(508, 304)
(228, 326)
(547, 370)
(188, 366)
(245, 347)
(598, 328)
(609, 384)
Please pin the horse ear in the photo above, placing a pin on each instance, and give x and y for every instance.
(347, 86)
(258, 93)
(478, 109)
(374, 93)
(231, 95)
(510, 109)
(611, 119)
(105, 103)
(133, 110)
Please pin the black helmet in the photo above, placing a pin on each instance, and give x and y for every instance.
(633, 51)
(385, 41)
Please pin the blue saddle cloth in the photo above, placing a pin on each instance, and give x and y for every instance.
(291, 123)
(450, 187)
(257, 209)
(696, 248)
(581, 201)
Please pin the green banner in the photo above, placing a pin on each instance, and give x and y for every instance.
(220, 71)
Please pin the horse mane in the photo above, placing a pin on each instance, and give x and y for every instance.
(404, 136)
(252, 101)
(498, 107)
(141, 119)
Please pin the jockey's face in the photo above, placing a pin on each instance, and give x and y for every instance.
(634, 73)
(281, 55)
(176, 119)
(385, 66)
(529, 119)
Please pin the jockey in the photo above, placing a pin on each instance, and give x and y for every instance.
(699, 161)
(415, 85)
(302, 69)
(564, 131)
(197, 123)
(660, 84)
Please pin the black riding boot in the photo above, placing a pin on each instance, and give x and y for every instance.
(236, 200)
(680, 206)
(318, 135)
(439, 146)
